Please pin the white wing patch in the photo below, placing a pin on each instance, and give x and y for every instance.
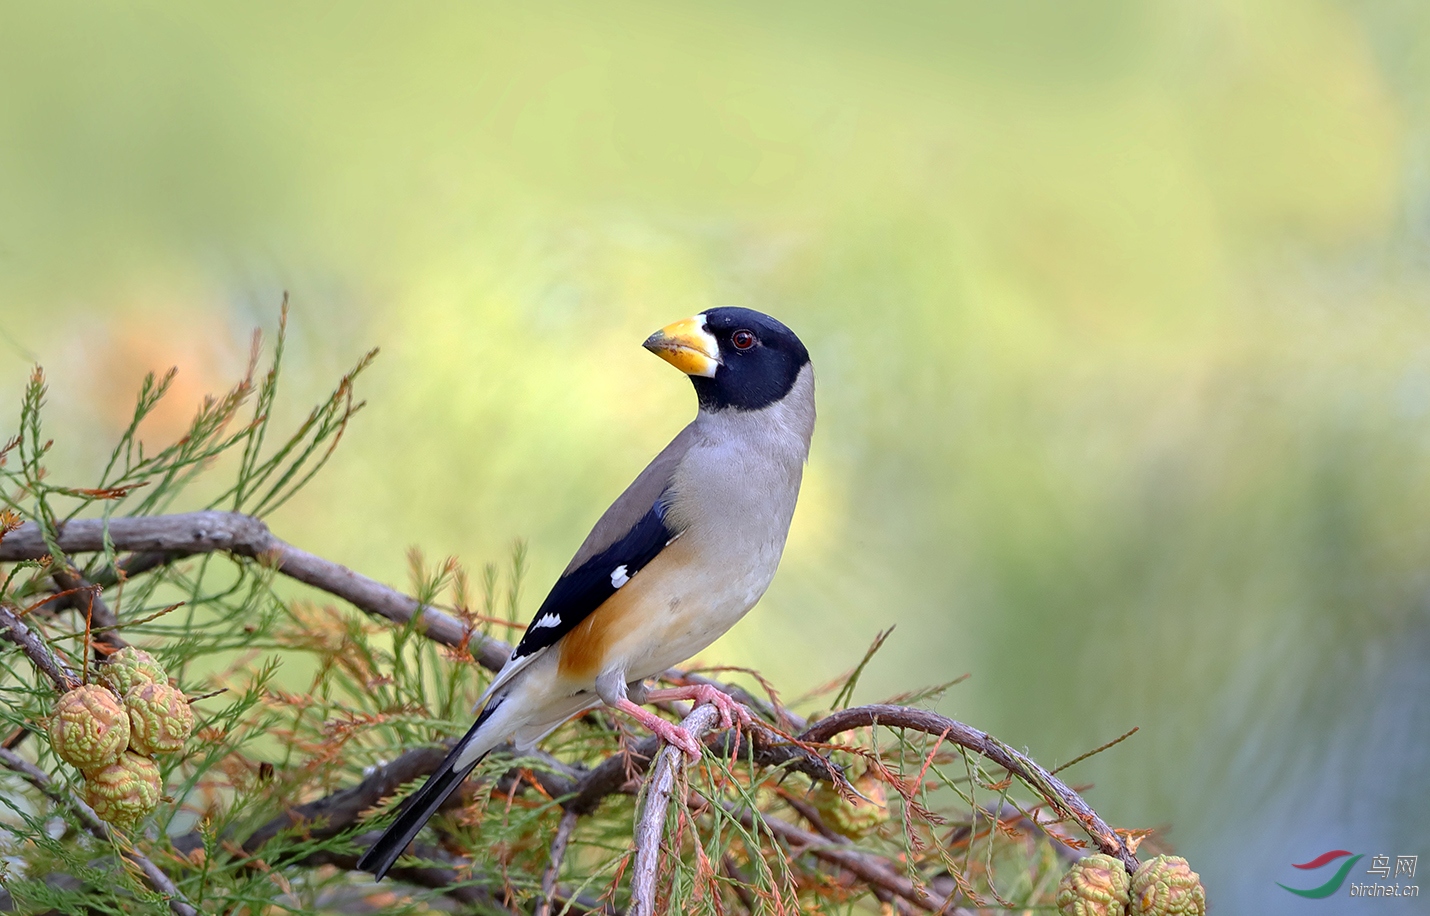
(619, 577)
(547, 620)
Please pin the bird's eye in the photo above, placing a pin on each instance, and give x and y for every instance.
(743, 340)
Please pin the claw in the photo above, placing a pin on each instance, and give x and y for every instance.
(731, 710)
(678, 737)
(668, 732)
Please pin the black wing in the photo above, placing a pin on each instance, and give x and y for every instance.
(583, 589)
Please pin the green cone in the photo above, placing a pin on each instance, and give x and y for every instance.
(130, 667)
(124, 792)
(1094, 886)
(89, 728)
(1167, 886)
(160, 719)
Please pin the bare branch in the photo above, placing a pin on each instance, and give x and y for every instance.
(157, 879)
(153, 541)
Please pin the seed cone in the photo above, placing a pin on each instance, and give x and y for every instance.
(123, 793)
(159, 719)
(89, 728)
(130, 667)
(1167, 886)
(1094, 886)
(850, 819)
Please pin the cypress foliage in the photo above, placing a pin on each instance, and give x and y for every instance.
(312, 718)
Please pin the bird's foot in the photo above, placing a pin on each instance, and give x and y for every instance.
(666, 731)
(731, 710)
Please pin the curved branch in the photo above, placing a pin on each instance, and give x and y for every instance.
(1068, 802)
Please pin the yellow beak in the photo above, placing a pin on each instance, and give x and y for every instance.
(687, 346)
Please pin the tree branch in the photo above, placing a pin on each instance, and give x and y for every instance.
(870, 868)
(614, 774)
(455, 877)
(450, 876)
(1068, 802)
(176, 536)
(580, 791)
(332, 814)
(553, 870)
(153, 541)
(157, 879)
(650, 828)
(21, 635)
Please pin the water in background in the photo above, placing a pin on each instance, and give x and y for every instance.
(1118, 312)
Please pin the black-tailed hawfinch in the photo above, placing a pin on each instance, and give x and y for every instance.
(676, 560)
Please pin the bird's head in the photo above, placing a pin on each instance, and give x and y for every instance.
(737, 358)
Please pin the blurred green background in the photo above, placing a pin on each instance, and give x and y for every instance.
(1120, 314)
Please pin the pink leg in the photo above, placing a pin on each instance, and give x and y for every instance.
(668, 732)
(731, 711)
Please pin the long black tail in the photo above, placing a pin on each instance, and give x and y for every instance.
(422, 804)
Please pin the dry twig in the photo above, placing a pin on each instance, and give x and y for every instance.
(155, 876)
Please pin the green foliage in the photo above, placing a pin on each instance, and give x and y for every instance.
(296, 699)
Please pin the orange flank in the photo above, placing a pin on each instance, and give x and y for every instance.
(584, 649)
(587, 649)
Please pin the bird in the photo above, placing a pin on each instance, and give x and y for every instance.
(680, 556)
